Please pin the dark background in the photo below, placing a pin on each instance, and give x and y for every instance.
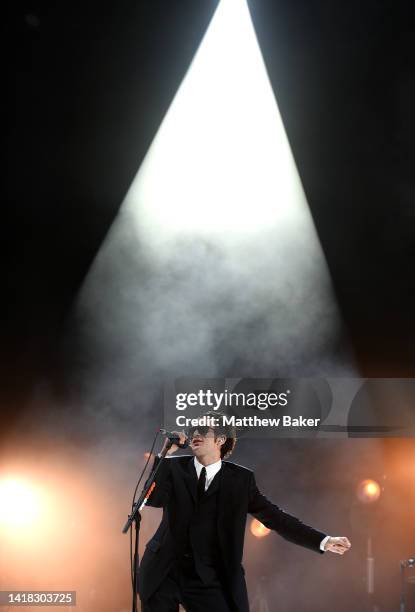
(91, 84)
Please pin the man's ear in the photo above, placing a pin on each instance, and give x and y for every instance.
(221, 439)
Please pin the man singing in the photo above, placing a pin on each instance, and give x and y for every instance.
(194, 558)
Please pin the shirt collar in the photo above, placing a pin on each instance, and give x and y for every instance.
(211, 470)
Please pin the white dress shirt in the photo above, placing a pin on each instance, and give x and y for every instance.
(213, 469)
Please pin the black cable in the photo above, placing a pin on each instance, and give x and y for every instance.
(132, 507)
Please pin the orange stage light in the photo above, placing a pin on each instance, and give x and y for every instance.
(368, 491)
(19, 503)
(258, 529)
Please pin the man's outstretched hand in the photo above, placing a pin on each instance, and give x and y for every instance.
(337, 545)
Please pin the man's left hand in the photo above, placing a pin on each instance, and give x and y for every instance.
(337, 545)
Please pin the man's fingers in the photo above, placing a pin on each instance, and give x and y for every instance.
(180, 435)
(338, 549)
(339, 545)
(345, 542)
(341, 542)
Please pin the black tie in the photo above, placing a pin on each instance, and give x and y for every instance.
(201, 484)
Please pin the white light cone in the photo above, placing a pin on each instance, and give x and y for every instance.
(214, 257)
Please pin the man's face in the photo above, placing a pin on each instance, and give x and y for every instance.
(203, 442)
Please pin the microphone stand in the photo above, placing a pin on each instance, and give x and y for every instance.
(402, 599)
(135, 517)
(403, 566)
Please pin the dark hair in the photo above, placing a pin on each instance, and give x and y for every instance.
(228, 446)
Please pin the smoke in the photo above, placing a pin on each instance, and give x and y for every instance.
(314, 480)
(259, 307)
(213, 266)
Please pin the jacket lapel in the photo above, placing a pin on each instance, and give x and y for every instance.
(214, 485)
(225, 509)
(225, 489)
(190, 478)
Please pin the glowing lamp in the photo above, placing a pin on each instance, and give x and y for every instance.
(19, 504)
(368, 491)
(258, 529)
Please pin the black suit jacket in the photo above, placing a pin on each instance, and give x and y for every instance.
(238, 495)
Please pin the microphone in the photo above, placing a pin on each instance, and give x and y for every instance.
(174, 438)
